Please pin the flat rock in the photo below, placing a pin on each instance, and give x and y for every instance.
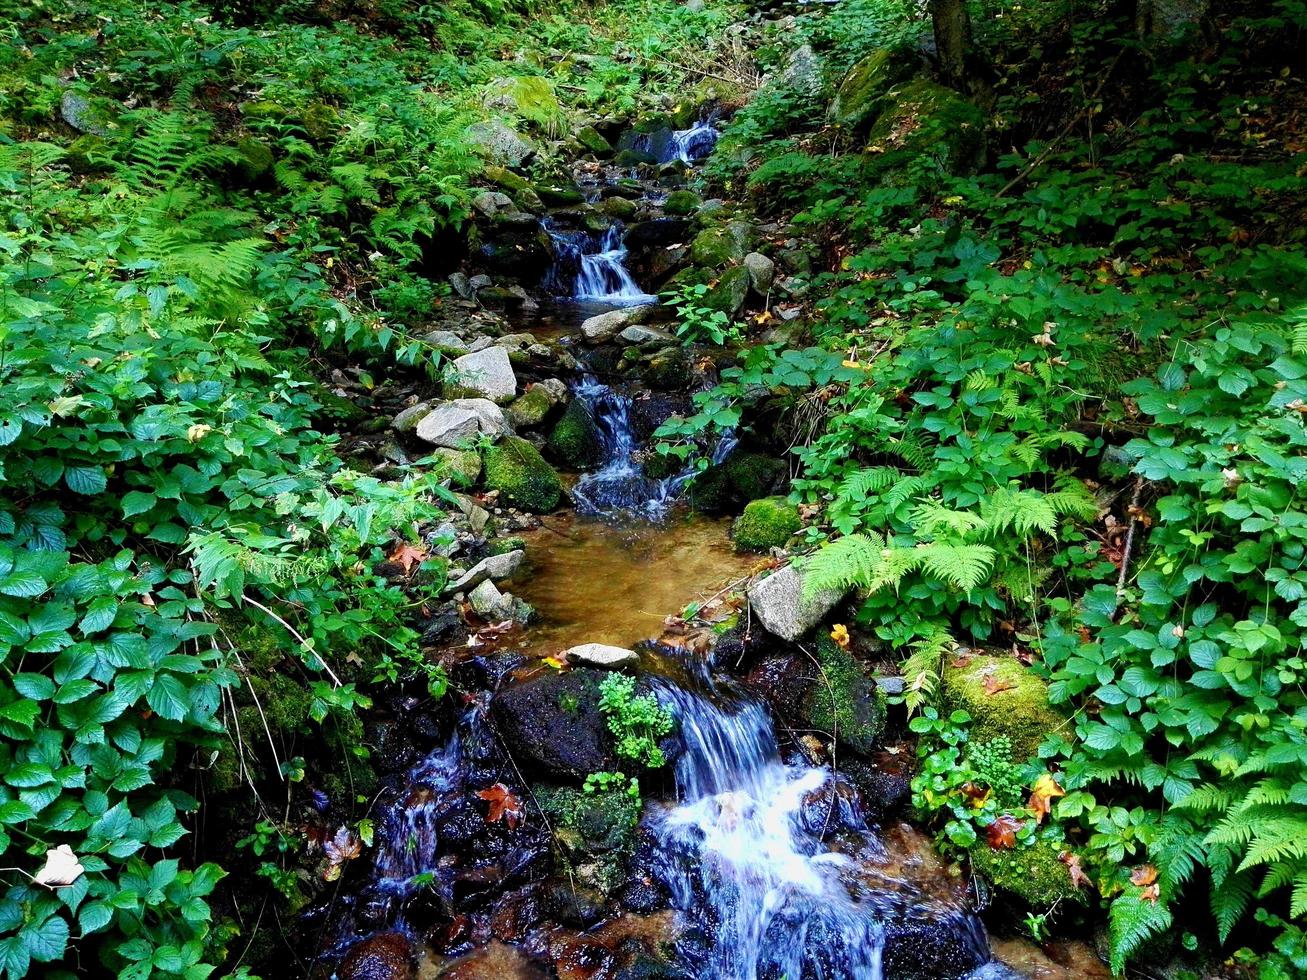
(407, 420)
(608, 325)
(488, 372)
(454, 424)
(601, 655)
(639, 334)
(494, 568)
(781, 606)
(446, 339)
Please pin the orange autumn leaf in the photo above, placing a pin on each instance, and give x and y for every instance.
(503, 805)
(1041, 799)
(1143, 875)
(840, 634)
(407, 555)
(1150, 894)
(1002, 833)
(1072, 861)
(975, 794)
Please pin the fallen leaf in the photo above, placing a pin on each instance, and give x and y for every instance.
(61, 868)
(975, 794)
(342, 847)
(556, 662)
(1143, 875)
(1072, 861)
(503, 805)
(407, 555)
(1041, 799)
(1150, 894)
(993, 685)
(840, 634)
(1002, 833)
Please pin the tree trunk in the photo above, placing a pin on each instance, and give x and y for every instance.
(952, 38)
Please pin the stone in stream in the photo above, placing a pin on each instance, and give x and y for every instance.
(408, 419)
(493, 568)
(601, 655)
(520, 474)
(640, 334)
(388, 956)
(780, 604)
(491, 203)
(606, 326)
(486, 372)
(552, 725)
(456, 423)
(489, 603)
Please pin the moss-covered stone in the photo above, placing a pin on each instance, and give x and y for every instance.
(727, 487)
(844, 701)
(516, 469)
(929, 122)
(669, 370)
(621, 208)
(463, 466)
(1035, 873)
(574, 441)
(766, 523)
(859, 97)
(596, 831)
(634, 158)
(560, 195)
(502, 546)
(256, 159)
(1017, 708)
(594, 141)
(321, 120)
(506, 179)
(682, 203)
(531, 409)
(731, 291)
(722, 245)
(530, 97)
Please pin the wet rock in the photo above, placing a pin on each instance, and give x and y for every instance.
(947, 947)
(656, 233)
(491, 203)
(606, 326)
(601, 655)
(444, 628)
(782, 680)
(574, 441)
(491, 604)
(765, 524)
(641, 334)
(669, 370)
(592, 140)
(494, 568)
(460, 284)
(385, 957)
(682, 203)
(621, 208)
(727, 486)
(516, 469)
(534, 407)
(456, 423)
(844, 702)
(494, 962)
(485, 372)
(579, 908)
(447, 340)
(762, 272)
(730, 293)
(552, 725)
(780, 605)
(885, 785)
(502, 144)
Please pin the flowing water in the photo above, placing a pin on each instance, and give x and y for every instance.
(774, 866)
(591, 267)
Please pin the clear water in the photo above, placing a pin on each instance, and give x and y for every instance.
(592, 268)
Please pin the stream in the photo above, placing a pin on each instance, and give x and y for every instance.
(750, 861)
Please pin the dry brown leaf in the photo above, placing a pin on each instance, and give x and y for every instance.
(993, 685)
(1072, 861)
(1041, 799)
(342, 847)
(503, 805)
(1150, 894)
(407, 555)
(1002, 833)
(1143, 875)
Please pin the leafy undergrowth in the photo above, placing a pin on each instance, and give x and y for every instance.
(197, 203)
(1057, 407)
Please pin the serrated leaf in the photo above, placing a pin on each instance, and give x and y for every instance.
(87, 480)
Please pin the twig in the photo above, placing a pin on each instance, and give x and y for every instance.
(1130, 535)
(295, 633)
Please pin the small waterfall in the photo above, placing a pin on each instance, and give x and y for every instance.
(749, 867)
(409, 832)
(693, 144)
(592, 268)
(620, 484)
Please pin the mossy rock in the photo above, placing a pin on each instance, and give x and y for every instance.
(731, 291)
(682, 202)
(596, 831)
(634, 158)
(502, 546)
(594, 141)
(669, 370)
(620, 208)
(574, 441)
(560, 195)
(516, 469)
(256, 159)
(89, 154)
(504, 178)
(531, 409)
(1035, 873)
(462, 465)
(844, 701)
(927, 121)
(766, 523)
(858, 99)
(1018, 708)
(727, 487)
(321, 120)
(530, 97)
(722, 245)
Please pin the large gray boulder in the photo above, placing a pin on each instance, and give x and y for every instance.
(487, 372)
(500, 143)
(608, 325)
(779, 602)
(762, 272)
(456, 423)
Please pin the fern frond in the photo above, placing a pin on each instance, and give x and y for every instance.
(964, 566)
(930, 517)
(1131, 921)
(844, 562)
(864, 482)
(1229, 901)
(921, 670)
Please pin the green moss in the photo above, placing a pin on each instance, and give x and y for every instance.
(596, 831)
(844, 701)
(502, 546)
(1018, 709)
(592, 140)
(531, 408)
(516, 469)
(530, 97)
(929, 122)
(682, 202)
(669, 370)
(574, 442)
(727, 487)
(731, 291)
(1034, 873)
(507, 180)
(722, 245)
(462, 465)
(256, 158)
(766, 523)
(859, 96)
(620, 208)
(634, 158)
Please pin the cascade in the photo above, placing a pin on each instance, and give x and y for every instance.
(592, 268)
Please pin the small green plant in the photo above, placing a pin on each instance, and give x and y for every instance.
(696, 321)
(637, 721)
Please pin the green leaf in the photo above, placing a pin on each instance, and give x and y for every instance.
(136, 502)
(100, 615)
(85, 480)
(169, 697)
(37, 687)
